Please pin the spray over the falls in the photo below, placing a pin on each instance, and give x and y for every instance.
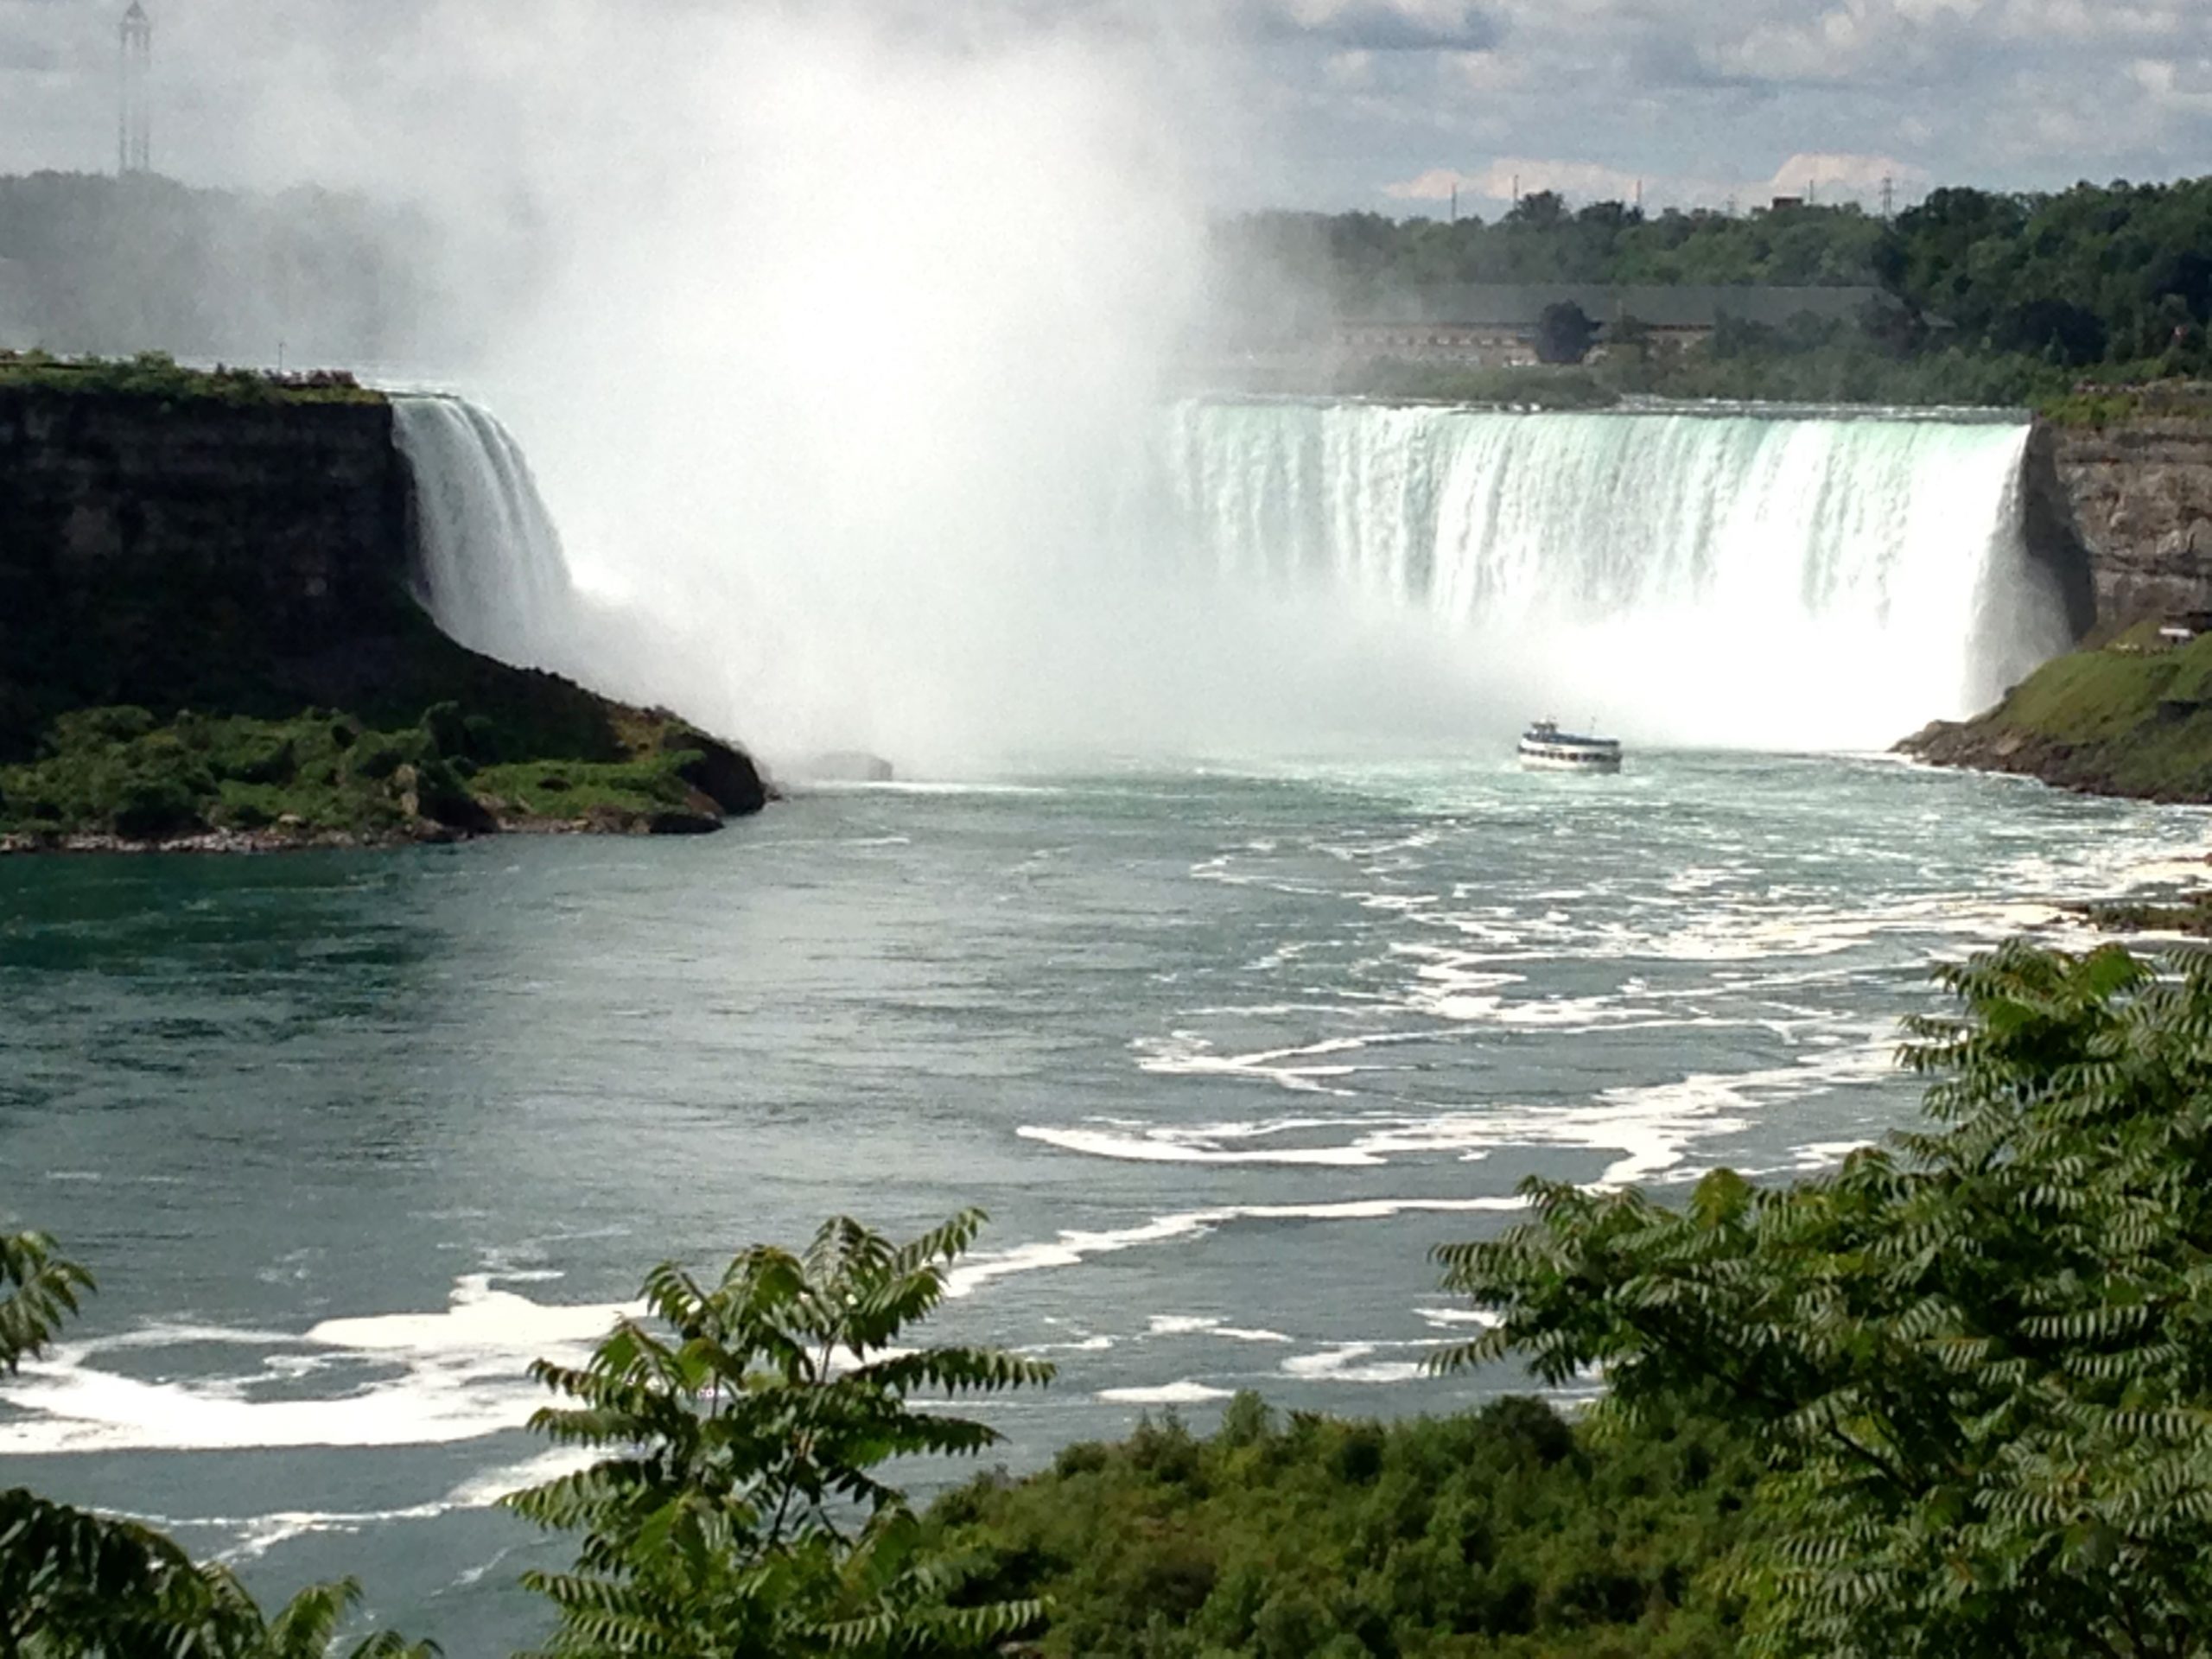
(1280, 575)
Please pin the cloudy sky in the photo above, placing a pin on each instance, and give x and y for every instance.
(1382, 104)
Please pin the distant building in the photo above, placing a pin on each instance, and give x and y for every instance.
(1495, 324)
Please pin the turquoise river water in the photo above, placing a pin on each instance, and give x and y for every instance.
(350, 1138)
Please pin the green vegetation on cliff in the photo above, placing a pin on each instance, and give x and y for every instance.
(156, 375)
(116, 773)
(2130, 717)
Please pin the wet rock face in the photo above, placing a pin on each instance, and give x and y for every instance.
(160, 552)
(725, 775)
(2133, 503)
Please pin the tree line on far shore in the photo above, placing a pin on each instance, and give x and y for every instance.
(1991, 296)
(1954, 1398)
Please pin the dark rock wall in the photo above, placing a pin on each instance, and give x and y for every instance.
(2127, 510)
(181, 554)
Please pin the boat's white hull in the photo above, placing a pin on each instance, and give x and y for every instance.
(1533, 760)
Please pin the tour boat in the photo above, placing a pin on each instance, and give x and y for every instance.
(1545, 747)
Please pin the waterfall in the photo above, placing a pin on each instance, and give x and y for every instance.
(1802, 581)
(1285, 572)
(489, 566)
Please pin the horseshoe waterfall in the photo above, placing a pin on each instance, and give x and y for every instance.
(1694, 578)
(1727, 578)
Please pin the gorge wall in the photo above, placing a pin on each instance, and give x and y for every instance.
(194, 552)
(2129, 507)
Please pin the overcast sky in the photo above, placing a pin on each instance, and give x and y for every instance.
(1381, 104)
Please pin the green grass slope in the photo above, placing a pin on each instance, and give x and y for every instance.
(2126, 718)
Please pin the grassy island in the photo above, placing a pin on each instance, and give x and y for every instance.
(2132, 717)
(118, 778)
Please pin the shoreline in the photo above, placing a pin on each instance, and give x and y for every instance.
(253, 843)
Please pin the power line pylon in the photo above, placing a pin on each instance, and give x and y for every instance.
(135, 121)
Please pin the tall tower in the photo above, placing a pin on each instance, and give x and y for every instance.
(135, 124)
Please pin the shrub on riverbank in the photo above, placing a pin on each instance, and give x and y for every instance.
(1978, 1365)
(1505, 1531)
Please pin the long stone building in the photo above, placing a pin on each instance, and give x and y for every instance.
(1495, 324)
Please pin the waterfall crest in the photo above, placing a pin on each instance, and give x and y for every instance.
(1700, 577)
(489, 565)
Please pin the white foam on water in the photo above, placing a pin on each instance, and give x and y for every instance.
(1354, 1361)
(430, 1379)
(1446, 1318)
(1074, 1247)
(1187, 1325)
(1184, 1393)
(257, 1535)
(1653, 1128)
(483, 1490)
(1189, 1053)
(1167, 1146)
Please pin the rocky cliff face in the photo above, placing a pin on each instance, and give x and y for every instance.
(2132, 505)
(164, 552)
(212, 557)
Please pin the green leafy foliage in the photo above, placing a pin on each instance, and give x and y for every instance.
(739, 1511)
(1980, 1362)
(2006, 299)
(1498, 1532)
(1565, 333)
(116, 772)
(158, 377)
(78, 1586)
(40, 1290)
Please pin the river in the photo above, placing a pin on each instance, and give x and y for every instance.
(1224, 1052)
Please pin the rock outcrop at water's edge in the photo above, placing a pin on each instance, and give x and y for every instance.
(2132, 717)
(208, 643)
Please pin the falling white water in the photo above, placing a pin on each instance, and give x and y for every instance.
(489, 566)
(1294, 573)
(1730, 578)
